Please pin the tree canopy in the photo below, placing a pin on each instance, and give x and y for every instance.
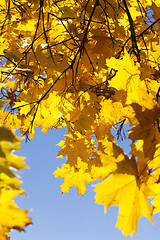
(89, 65)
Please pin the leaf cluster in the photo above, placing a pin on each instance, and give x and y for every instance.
(89, 65)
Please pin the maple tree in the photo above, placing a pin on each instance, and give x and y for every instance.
(91, 66)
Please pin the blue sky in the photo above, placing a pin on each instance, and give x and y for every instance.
(65, 216)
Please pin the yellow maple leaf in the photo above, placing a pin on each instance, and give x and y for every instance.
(124, 188)
(74, 176)
(75, 146)
(111, 111)
(11, 216)
(126, 71)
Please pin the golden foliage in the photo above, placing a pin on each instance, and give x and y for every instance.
(90, 66)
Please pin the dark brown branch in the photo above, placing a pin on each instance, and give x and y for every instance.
(150, 26)
(133, 36)
(46, 38)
